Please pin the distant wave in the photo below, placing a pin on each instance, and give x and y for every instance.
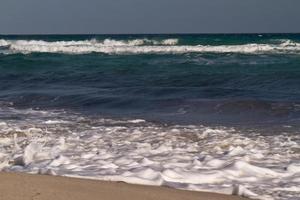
(141, 46)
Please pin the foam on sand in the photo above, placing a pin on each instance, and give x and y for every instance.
(61, 188)
(219, 159)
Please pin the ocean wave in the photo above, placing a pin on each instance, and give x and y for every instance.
(92, 42)
(219, 159)
(141, 46)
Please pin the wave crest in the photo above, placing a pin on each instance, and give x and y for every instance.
(141, 46)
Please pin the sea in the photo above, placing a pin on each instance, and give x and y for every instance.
(202, 112)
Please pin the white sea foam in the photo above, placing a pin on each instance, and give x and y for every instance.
(170, 42)
(141, 46)
(199, 158)
(4, 43)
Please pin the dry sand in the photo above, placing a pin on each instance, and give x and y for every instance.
(39, 187)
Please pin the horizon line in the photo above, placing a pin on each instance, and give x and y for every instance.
(208, 33)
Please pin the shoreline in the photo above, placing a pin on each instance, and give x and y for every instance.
(16, 186)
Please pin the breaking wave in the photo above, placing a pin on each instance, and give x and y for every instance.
(141, 46)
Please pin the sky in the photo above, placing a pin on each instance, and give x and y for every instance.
(148, 16)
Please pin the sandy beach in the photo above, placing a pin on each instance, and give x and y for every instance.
(41, 187)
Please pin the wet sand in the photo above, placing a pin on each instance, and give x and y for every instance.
(41, 187)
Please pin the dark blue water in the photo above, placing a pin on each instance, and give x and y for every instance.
(193, 79)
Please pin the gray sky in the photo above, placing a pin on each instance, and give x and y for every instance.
(148, 16)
